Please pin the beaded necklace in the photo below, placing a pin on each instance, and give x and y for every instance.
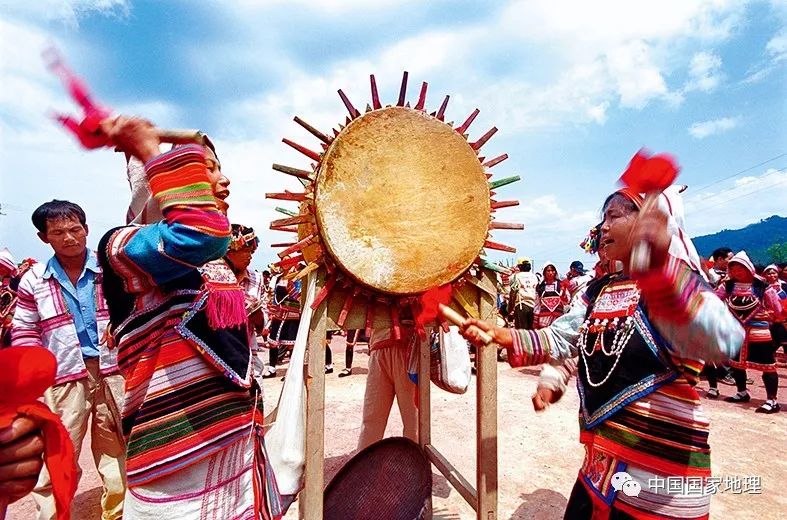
(613, 311)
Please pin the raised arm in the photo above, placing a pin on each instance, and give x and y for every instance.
(690, 316)
(193, 231)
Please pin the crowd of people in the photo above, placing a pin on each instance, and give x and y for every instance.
(160, 337)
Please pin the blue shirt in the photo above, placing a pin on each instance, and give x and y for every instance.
(81, 301)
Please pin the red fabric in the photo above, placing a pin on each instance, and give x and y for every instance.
(87, 130)
(647, 174)
(429, 308)
(28, 372)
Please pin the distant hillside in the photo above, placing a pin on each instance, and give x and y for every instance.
(754, 238)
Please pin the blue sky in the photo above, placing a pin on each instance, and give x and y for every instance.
(575, 88)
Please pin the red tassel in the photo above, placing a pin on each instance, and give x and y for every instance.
(430, 304)
(348, 303)
(225, 307)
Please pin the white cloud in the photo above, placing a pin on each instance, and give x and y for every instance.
(637, 79)
(554, 227)
(68, 11)
(704, 72)
(745, 180)
(776, 56)
(777, 47)
(597, 57)
(603, 55)
(329, 6)
(748, 200)
(701, 130)
(589, 27)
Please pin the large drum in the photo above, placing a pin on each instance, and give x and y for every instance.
(401, 201)
(397, 202)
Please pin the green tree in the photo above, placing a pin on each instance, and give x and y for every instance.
(778, 252)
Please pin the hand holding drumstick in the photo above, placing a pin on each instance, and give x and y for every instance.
(482, 333)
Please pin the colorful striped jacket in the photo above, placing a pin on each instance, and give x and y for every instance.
(184, 400)
(42, 318)
(657, 424)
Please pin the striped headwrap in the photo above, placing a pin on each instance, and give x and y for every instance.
(243, 237)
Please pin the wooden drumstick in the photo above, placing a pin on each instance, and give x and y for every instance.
(180, 136)
(457, 319)
(640, 252)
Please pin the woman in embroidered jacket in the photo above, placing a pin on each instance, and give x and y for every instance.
(193, 414)
(757, 307)
(779, 327)
(549, 302)
(639, 338)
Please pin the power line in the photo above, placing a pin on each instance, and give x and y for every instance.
(731, 188)
(706, 186)
(566, 250)
(722, 203)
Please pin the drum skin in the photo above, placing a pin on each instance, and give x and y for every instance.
(401, 201)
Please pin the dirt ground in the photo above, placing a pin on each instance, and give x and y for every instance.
(539, 454)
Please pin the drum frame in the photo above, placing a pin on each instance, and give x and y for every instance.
(483, 496)
(343, 303)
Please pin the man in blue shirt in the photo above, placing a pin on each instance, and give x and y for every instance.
(61, 307)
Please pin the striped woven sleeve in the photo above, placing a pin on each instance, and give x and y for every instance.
(554, 343)
(26, 325)
(690, 316)
(193, 231)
